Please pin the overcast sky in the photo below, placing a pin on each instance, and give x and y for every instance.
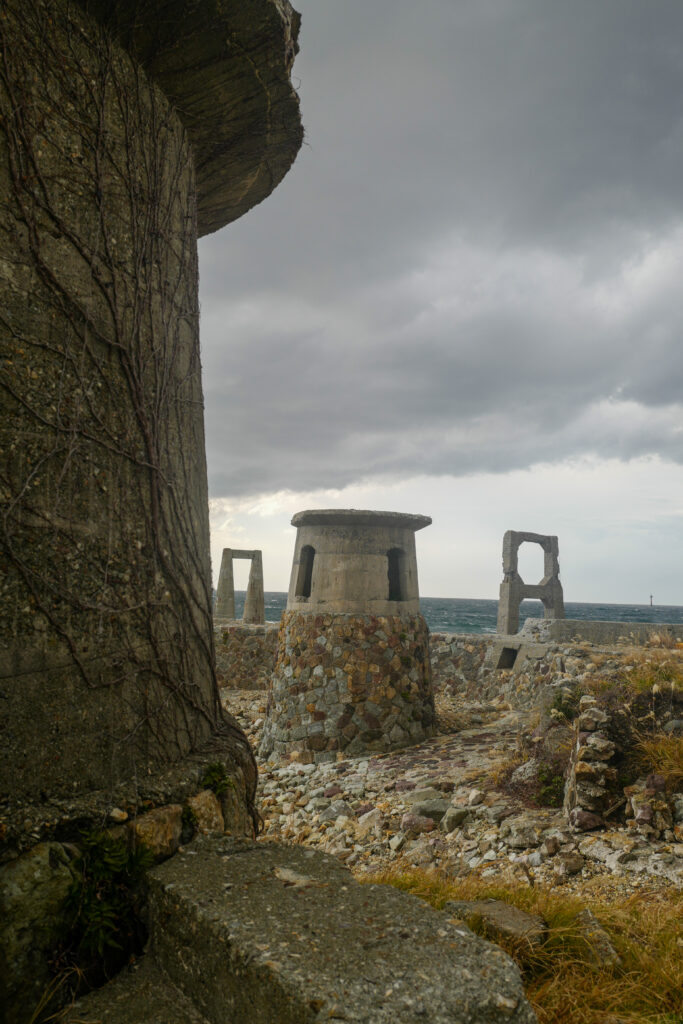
(465, 299)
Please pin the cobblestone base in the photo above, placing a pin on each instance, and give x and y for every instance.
(348, 683)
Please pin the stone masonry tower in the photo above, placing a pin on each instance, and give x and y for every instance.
(352, 671)
(127, 129)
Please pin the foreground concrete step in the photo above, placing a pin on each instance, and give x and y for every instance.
(259, 933)
(143, 995)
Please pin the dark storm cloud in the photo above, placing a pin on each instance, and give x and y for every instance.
(474, 263)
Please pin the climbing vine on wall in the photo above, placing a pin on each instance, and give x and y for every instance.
(104, 530)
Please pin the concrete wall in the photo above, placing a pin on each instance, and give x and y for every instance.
(113, 155)
(600, 632)
(106, 657)
(347, 554)
(107, 537)
(513, 589)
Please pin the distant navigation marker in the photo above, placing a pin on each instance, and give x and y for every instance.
(650, 600)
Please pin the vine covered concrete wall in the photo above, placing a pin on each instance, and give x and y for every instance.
(106, 658)
(106, 536)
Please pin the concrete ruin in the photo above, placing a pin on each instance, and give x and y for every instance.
(127, 130)
(352, 672)
(107, 661)
(513, 589)
(316, 946)
(254, 604)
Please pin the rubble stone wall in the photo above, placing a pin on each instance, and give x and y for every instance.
(348, 683)
(605, 782)
(480, 666)
(245, 655)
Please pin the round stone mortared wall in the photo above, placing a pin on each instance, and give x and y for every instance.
(347, 684)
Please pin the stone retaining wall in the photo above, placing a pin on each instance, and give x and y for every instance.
(35, 884)
(245, 655)
(604, 778)
(490, 667)
(519, 669)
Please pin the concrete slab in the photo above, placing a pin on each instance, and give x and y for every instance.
(143, 995)
(271, 934)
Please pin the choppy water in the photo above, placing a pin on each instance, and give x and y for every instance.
(462, 615)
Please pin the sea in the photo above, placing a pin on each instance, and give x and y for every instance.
(466, 615)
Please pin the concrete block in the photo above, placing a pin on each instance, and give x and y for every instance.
(282, 935)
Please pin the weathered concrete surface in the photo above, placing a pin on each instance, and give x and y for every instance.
(501, 920)
(112, 115)
(226, 69)
(103, 603)
(513, 589)
(254, 602)
(225, 591)
(353, 562)
(269, 934)
(143, 995)
(600, 632)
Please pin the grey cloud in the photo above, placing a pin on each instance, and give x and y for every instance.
(518, 128)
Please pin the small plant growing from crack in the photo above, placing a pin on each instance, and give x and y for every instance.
(104, 906)
(216, 778)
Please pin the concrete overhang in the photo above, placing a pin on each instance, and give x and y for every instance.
(359, 517)
(225, 66)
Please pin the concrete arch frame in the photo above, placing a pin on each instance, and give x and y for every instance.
(513, 589)
(254, 603)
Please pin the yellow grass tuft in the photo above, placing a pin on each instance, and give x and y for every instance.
(564, 981)
(665, 671)
(664, 755)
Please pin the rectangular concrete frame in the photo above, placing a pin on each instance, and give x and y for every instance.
(254, 604)
(513, 589)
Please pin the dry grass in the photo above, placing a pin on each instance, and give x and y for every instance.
(563, 980)
(66, 982)
(664, 755)
(667, 640)
(664, 670)
(659, 673)
(500, 772)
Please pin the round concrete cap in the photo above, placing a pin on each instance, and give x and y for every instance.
(359, 517)
(225, 67)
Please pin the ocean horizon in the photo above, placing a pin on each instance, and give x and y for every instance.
(478, 615)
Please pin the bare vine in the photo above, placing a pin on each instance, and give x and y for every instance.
(104, 522)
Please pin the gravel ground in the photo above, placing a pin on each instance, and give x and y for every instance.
(436, 805)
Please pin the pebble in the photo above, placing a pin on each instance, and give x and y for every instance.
(364, 810)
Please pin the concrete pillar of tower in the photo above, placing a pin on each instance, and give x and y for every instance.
(254, 604)
(225, 594)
